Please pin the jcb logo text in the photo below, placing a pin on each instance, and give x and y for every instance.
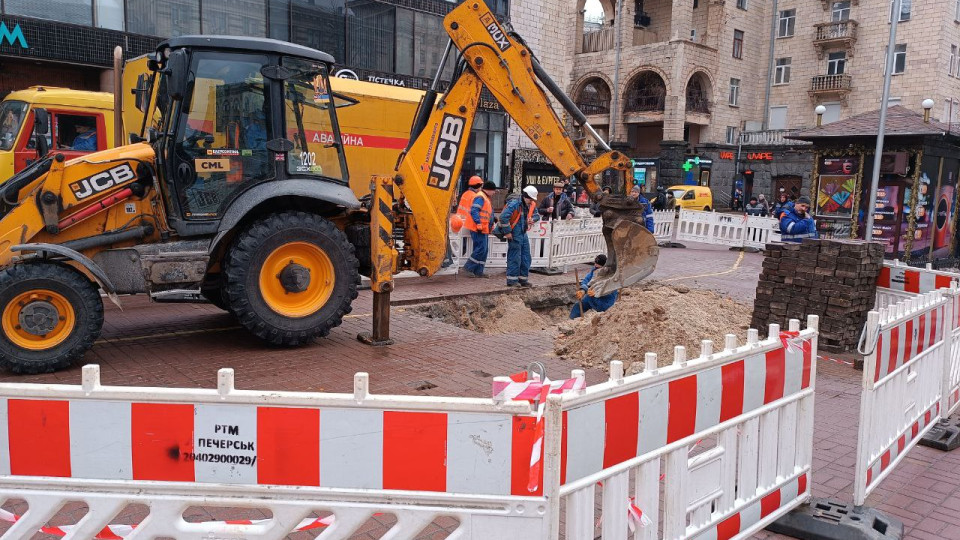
(102, 181)
(448, 148)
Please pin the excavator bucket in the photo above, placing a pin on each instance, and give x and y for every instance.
(632, 250)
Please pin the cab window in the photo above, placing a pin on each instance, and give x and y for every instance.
(221, 141)
(688, 196)
(308, 110)
(72, 132)
(11, 118)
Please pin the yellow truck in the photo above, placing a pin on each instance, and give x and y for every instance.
(79, 123)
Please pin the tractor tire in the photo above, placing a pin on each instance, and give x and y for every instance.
(50, 315)
(216, 295)
(290, 277)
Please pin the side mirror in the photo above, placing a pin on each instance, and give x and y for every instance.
(178, 66)
(41, 125)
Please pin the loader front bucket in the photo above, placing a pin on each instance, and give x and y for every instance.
(632, 250)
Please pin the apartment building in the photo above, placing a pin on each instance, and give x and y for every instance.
(720, 83)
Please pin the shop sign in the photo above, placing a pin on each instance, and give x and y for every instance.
(12, 36)
(726, 155)
(759, 156)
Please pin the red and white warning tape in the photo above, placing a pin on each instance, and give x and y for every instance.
(519, 388)
(835, 360)
(118, 532)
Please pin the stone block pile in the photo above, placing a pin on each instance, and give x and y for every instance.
(835, 279)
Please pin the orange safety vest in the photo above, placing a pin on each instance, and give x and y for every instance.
(463, 210)
(515, 218)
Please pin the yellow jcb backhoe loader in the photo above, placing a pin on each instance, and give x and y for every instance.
(238, 186)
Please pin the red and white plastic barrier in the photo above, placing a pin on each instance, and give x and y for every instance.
(465, 458)
(903, 382)
(751, 407)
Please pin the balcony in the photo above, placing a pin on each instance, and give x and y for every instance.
(771, 137)
(834, 85)
(698, 105)
(635, 104)
(590, 107)
(598, 40)
(835, 34)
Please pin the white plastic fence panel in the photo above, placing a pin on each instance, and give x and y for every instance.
(575, 241)
(902, 384)
(663, 222)
(694, 226)
(720, 433)
(728, 229)
(950, 400)
(292, 453)
(761, 231)
(890, 297)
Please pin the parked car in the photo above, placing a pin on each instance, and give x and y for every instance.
(693, 197)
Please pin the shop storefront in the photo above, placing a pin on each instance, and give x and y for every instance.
(915, 214)
(768, 169)
(645, 173)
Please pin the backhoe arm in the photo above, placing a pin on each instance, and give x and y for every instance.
(425, 180)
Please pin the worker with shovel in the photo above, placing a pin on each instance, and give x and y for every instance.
(585, 299)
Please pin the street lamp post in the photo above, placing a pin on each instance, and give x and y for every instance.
(820, 110)
(878, 152)
(927, 104)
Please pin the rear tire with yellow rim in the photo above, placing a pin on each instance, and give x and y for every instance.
(50, 315)
(290, 277)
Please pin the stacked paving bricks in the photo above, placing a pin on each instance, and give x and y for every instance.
(835, 279)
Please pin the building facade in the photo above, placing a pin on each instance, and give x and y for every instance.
(70, 43)
(726, 81)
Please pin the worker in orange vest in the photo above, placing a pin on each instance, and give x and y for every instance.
(477, 216)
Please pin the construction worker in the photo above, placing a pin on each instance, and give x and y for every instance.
(477, 218)
(517, 217)
(796, 224)
(647, 210)
(585, 298)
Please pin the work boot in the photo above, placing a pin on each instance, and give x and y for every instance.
(525, 284)
(512, 284)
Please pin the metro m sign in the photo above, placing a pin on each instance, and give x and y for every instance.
(16, 36)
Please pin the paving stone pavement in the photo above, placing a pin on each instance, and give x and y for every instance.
(183, 345)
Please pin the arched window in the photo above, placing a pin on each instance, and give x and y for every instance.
(594, 97)
(646, 93)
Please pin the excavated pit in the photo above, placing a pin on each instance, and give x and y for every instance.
(650, 317)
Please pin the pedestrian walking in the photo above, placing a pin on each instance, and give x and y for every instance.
(754, 208)
(796, 224)
(762, 199)
(516, 218)
(585, 298)
(477, 218)
(556, 205)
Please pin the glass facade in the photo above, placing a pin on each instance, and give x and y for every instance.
(71, 11)
(165, 18)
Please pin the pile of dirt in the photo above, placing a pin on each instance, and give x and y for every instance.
(500, 313)
(652, 318)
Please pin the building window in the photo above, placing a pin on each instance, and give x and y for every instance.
(72, 11)
(232, 18)
(778, 118)
(738, 43)
(731, 135)
(836, 62)
(786, 23)
(894, 101)
(162, 17)
(782, 74)
(735, 92)
(486, 151)
(110, 14)
(956, 12)
(742, 4)
(899, 58)
(841, 11)
(905, 6)
(370, 36)
(953, 60)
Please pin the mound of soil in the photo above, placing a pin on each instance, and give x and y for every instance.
(652, 318)
(502, 313)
